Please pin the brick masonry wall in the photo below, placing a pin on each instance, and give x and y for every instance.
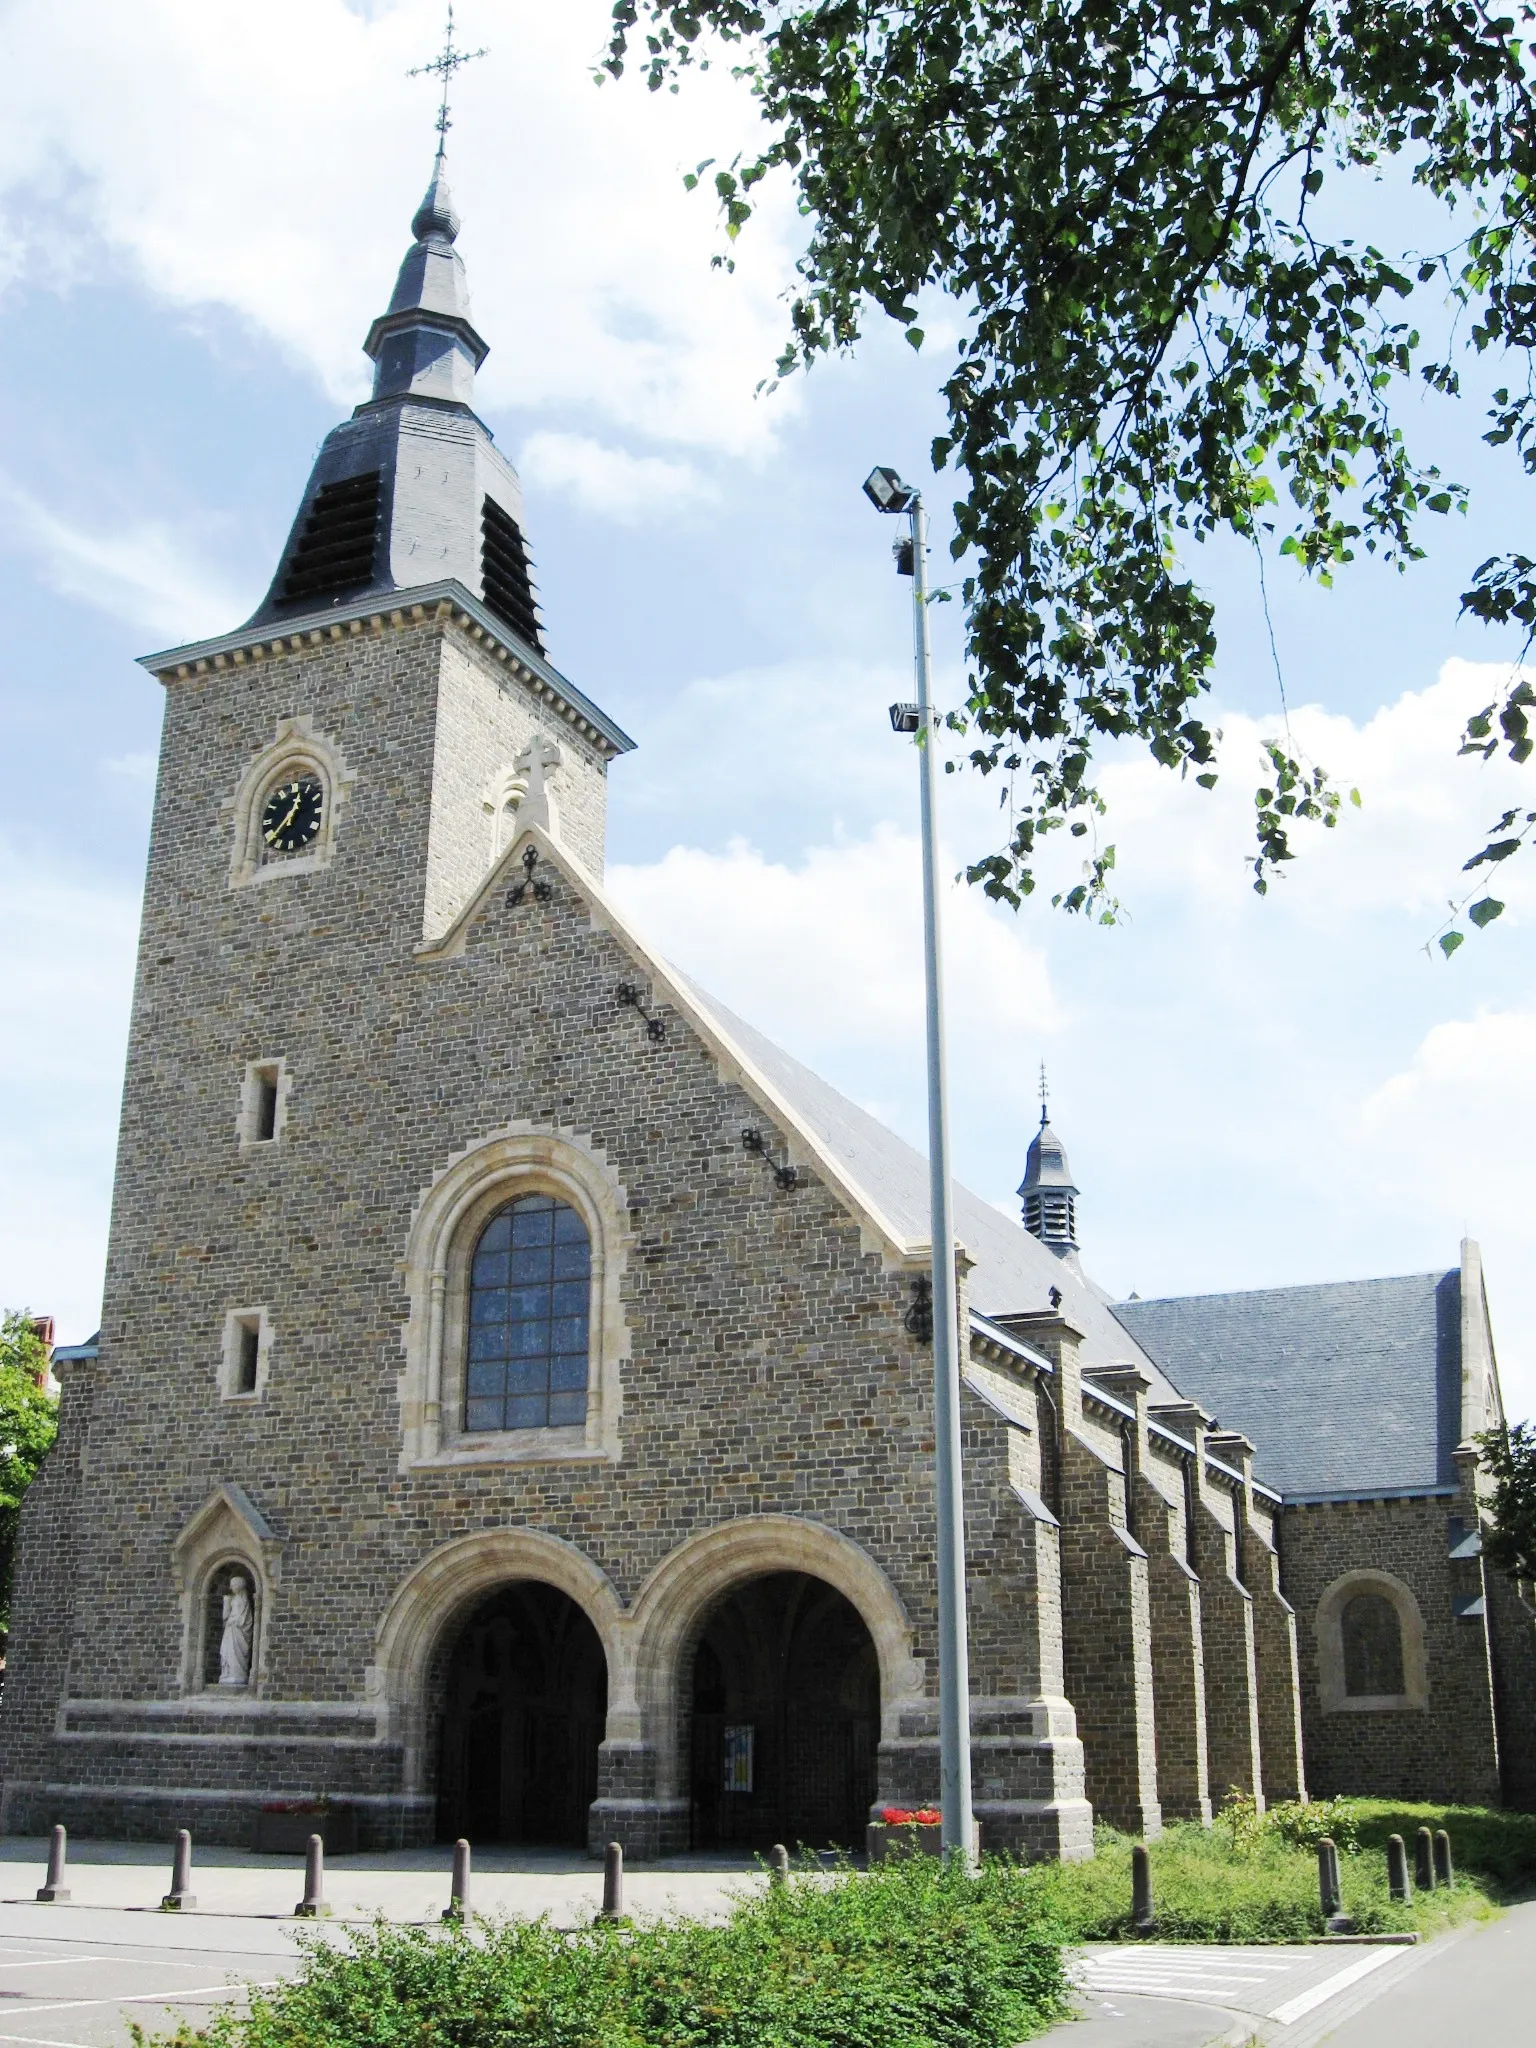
(769, 1370)
(1231, 1671)
(1108, 1629)
(1445, 1750)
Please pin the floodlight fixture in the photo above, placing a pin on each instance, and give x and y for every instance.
(905, 718)
(887, 493)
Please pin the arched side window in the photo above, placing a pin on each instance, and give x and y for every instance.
(1371, 1655)
(517, 1337)
(530, 1286)
(1373, 1646)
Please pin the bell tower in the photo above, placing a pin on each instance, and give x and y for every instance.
(409, 541)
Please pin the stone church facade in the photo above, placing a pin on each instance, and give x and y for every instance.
(547, 1352)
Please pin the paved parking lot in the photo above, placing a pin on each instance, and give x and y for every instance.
(74, 1975)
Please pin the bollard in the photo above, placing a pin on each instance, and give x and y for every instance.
(1141, 1890)
(457, 1907)
(179, 1898)
(1444, 1873)
(1397, 1870)
(1328, 1879)
(778, 1865)
(312, 1906)
(1424, 1860)
(54, 1887)
(613, 1882)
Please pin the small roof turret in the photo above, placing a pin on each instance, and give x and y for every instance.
(1048, 1190)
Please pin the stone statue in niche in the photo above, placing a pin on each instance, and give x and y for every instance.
(239, 1629)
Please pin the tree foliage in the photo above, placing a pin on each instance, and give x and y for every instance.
(28, 1424)
(1509, 1459)
(1161, 341)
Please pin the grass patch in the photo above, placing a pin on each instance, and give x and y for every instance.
(1252, 1877)
(905, 1956)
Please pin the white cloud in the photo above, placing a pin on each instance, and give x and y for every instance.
(628, 488)
(63, 1021)
(143, 572)
(269, 160)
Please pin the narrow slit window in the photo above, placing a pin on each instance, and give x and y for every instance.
(265, 1120)
(247, 1356)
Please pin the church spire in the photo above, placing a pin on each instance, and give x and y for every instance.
(426, 346)
(1048, 1189)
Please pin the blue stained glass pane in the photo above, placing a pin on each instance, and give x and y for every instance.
(567, 1408)
(528, 1411)
(528, 1340)
(488, 1340)
(485, 1380)
(482, 1415)
(488, 1305)
(530, 1262)
(572, 1261)
(570, 1334)
(524, 1303)
(497, 1234)
(568, 1371)
(569, 1228)
(527, 1375)
(490, 1268)
(570, 1298)
(533, 1225)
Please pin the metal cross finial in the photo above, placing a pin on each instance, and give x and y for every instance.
(1042, 1095)
(444, 65)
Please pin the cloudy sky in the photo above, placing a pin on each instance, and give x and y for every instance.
(203, 206)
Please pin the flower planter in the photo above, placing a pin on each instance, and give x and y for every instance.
(286, 1832)
(910, 1838)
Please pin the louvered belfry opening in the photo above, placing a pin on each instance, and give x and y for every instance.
(336, 549)
(504, 567)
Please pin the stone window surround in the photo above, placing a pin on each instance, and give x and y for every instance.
(448, 1221)
(227, 1531)
(250, 1103)
(235, 1321)
(296, 749)
(1330, 1646)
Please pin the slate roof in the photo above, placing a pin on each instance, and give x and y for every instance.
(1013, 1270)
(1343, 1388)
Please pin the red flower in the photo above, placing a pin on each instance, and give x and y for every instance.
(911, 1816)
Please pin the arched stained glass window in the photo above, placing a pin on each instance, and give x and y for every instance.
(529, 1301)
(1373, 1647)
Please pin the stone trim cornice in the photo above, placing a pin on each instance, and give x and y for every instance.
(430, 602)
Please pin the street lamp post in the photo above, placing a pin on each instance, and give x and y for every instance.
(888, 493)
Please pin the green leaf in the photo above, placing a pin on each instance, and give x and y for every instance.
(1450, 941)
(1485, 911)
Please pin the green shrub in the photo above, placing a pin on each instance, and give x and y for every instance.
(908, 1956)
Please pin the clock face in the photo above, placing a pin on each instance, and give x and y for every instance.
(290, 817)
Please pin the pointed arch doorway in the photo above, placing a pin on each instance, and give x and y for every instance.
(785, 1718)
(524, 1704)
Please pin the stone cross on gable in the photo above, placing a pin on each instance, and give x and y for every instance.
(539, 761)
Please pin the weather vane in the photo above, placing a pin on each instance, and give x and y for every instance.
(1042, 1095)
(443, 66)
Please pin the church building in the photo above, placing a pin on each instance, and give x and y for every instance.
(512, 1414)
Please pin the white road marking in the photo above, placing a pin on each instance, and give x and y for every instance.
(41, 2041)
(1306, 2001)
(224, 1990)
(48, 1962)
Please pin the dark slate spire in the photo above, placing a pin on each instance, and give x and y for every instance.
(1048, 1189)
(412, 490)
(425, 344)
